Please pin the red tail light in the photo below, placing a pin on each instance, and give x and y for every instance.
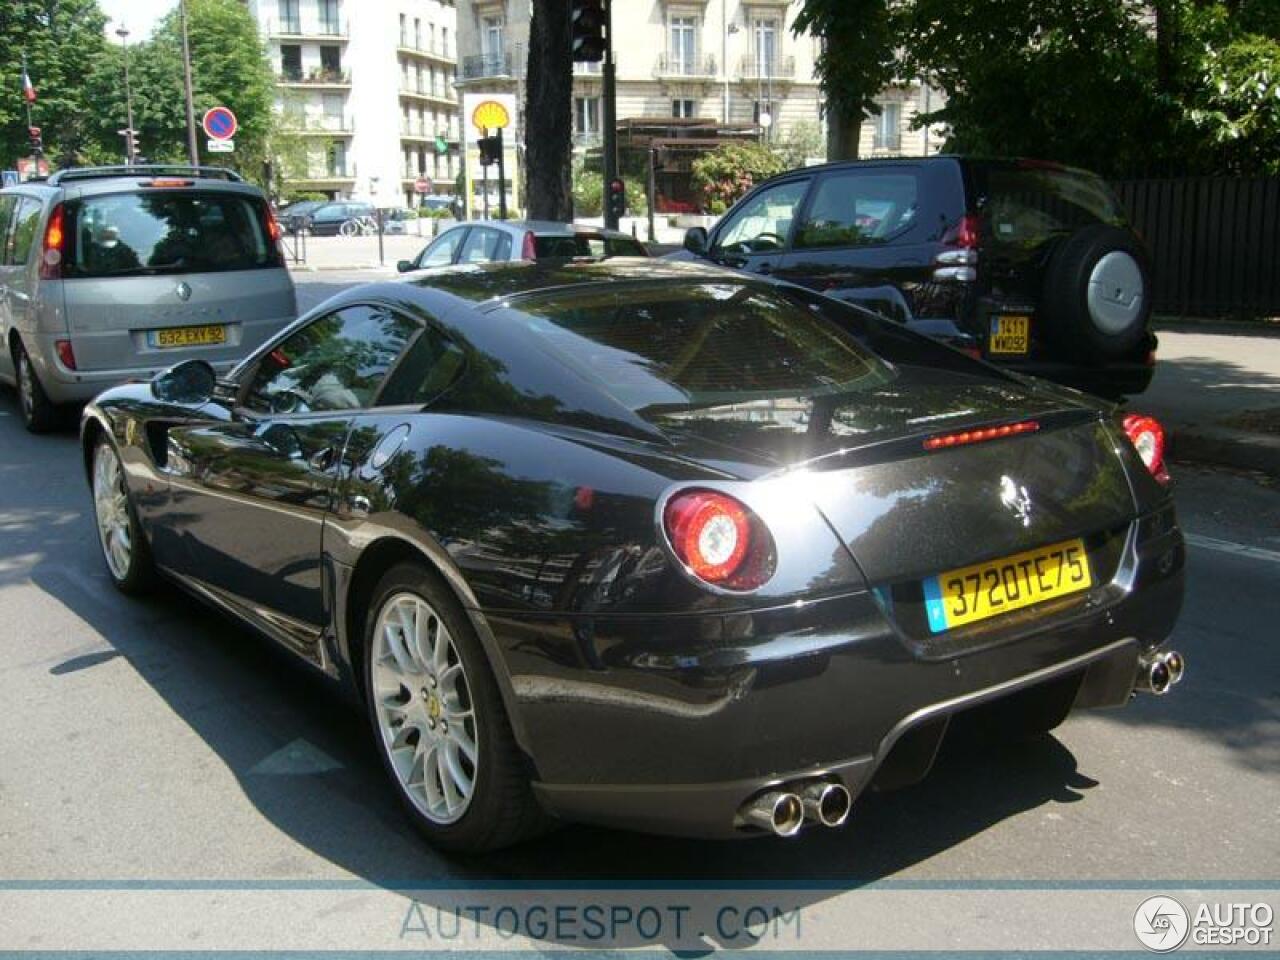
(965, 234)
(54, 243)
(65, 353)
(272, 228)
(719, 540)
(1147, 437)
(528, 250)
(980, 435)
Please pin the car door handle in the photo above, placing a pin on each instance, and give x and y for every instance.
(322, 459)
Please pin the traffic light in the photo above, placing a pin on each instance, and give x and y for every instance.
(616, 199)
(37, 141)
(586, 19)
(490, 148)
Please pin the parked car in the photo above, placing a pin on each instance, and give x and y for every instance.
(1030, 265)
(488, 241)
(294, 217)
(327, 219)
(654, 545)
(113, 273)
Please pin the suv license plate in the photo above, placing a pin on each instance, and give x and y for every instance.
(985, 590)
(187, 336)
(1010, 334)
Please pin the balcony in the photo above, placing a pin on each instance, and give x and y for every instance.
(317, 125)
(677, 66)
(767, 68)
(482, 65)
(587, 141)
(438, 52)
(420, 131)
(440, 95)
(315, 77)
(587, 69)
(291, 29)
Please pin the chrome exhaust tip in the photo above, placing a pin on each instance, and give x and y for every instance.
(1177, 665)
(826, 803)
(1154, 676)
(781, 812)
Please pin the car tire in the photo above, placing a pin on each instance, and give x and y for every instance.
(39, 414)
(125, 550)
(461, 800)
(1097, 294)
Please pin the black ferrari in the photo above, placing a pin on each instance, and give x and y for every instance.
(649, 544)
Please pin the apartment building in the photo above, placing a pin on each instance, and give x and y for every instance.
(366, 92)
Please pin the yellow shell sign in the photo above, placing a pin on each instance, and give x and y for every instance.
(490, 115)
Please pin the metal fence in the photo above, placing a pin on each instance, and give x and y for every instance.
(1214, 242)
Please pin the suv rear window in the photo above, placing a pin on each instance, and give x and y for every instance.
(141, 234)
(664, 350)
(585, 245)
(1028, 204)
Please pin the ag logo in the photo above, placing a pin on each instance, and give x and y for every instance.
(1161, 924)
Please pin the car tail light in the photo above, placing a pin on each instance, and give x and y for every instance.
(960, 260)
(1147, 437)
(65, 353)
(54, 243)
(528, 249)
(169, 183)
(966, 233)
(272, 228)
(981, 435)
(719, 540)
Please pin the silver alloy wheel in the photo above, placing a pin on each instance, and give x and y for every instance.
(1115, 292)
(26, 383)
(424, 708)
(111, 506)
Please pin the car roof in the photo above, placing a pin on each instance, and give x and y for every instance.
(966, 160)
(548, 228)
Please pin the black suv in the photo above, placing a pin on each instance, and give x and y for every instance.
(1027, 264)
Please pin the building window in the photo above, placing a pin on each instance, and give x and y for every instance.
(290, 20)
(492, 38)
(417, 34)
(331, 62)
(290, 61)
(329, 16)
(586, 115)
(444, 41)
(684, 44)
(337, 159)
(682, 109)
(332, 104)
(766, 47)
(404, 31)
(888, 130)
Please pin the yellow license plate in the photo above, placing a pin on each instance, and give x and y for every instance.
(1010, 333)
(984, 590)
(188, 336)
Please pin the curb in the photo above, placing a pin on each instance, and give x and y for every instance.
(1222, 446)
(1232, 328)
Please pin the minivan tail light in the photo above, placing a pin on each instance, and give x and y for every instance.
(272, 227)
(66, 354)
(54, 243)
(719, 540)
(528, 250)
(1147, 436)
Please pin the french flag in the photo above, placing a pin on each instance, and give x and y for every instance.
(28, 90)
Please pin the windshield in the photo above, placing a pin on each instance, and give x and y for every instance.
(131, 234)
(668, 350)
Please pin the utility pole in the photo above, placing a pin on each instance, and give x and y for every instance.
(610, 143)
(192, 151)
(129, 146)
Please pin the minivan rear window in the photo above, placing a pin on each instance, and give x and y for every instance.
(585, 245)
(141, 234)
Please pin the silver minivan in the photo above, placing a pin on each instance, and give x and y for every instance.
(114, 273)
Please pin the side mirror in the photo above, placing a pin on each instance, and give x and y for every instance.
(404, 266)
(695, 240)
(191, 381)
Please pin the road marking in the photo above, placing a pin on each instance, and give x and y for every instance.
(1230, 546)
(296, 759)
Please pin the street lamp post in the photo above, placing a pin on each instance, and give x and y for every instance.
(192, 153)
(123, 33)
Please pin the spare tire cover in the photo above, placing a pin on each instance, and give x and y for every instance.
(1097, 293)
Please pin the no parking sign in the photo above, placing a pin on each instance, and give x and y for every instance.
(219, 123)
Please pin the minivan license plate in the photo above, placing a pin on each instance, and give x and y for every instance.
(985, 590)
(188, 336)
(1010, 334)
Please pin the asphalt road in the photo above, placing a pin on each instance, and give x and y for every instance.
(154, 740)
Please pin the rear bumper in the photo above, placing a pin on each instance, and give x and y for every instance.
(670, 724)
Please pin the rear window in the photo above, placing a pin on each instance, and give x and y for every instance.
(586, 245)
(1027, 205)
(666, 350)
(141, 234)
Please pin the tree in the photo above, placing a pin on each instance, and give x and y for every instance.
(548, 136)
(59, 37)
(725, 174)
(857, 61)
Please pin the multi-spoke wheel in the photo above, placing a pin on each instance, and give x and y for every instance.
(123, 546)
(438, 717)
(38, 413)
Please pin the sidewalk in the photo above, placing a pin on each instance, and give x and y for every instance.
(356, 253)
(1217, 391)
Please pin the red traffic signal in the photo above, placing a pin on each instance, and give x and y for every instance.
(586, 20)
(616, 198)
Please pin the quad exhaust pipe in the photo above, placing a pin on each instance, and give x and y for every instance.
(1158, 673)
(783, 812)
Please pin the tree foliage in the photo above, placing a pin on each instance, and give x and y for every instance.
(725, 174)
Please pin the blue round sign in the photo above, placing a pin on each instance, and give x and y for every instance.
(219, 123)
